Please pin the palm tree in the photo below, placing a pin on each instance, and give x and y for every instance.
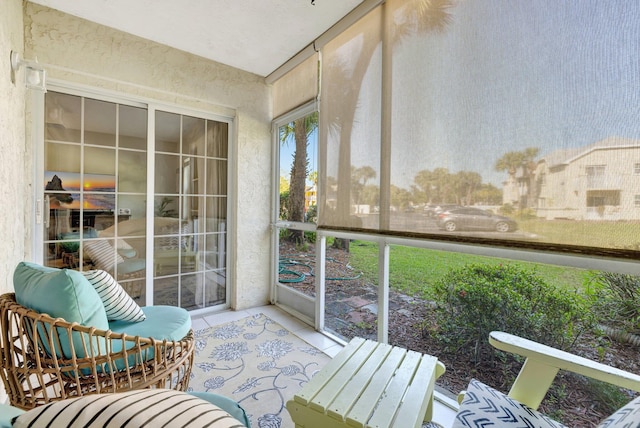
(300, 129)
(524, 161)
(488, 194)
(467, 182)
(400, 198)
(360, 177)
(413, 17)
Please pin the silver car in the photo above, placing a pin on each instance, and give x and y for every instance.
(433, 210)
(474, 219)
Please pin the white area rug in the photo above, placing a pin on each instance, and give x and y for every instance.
(257, 363)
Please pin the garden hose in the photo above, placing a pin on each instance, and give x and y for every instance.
(285, 269)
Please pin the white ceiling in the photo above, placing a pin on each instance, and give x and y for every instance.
(253, 35)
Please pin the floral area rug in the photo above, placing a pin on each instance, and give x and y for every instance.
(257, 363)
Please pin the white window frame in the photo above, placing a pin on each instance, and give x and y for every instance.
(307, 307)
(557, 258)
(151, 106)
(384, 242)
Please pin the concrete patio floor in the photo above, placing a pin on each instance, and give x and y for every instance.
(444, 406)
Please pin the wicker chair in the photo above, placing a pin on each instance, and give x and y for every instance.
(98, 362)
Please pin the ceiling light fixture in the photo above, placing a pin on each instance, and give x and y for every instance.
(35, 76)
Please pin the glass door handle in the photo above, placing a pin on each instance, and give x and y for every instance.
(47, 209)
(38, 211)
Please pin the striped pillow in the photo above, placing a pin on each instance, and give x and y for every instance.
(174, 242)
(118, 305)
(146, 407)
(102, 254)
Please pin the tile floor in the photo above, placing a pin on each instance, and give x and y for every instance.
(444, 407)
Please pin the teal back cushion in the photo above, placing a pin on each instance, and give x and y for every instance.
(60, 293)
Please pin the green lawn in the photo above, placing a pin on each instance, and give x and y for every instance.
(606, 234)
(414, 270)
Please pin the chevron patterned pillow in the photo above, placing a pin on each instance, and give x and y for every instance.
(484, 406)
(626, 417)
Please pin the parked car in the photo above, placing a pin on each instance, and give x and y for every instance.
(433, 210)
(474, 219)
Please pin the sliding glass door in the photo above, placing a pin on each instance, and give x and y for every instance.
(146, 203)
(190, 211)
(95, 169)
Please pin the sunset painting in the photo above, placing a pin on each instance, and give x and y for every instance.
(64, 190)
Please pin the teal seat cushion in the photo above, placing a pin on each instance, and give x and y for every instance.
(226, 404)
(161, 322)
(128, 253)
(130, 266)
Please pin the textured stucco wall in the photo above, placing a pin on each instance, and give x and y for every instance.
(88, 54)
(13, 191)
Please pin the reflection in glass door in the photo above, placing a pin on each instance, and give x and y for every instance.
(96, 198)
(95, 187)
(190, 211)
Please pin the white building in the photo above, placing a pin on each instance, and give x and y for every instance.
(598, 182)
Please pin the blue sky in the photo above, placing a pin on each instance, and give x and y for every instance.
(504, 76)
(507, 75)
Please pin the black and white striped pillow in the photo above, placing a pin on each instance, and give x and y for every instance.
(102, 254)
(147, 407)
(118, 305)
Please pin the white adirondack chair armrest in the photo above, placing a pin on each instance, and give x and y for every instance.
(543, 362)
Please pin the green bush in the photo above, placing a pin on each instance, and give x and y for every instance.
(285, 234)
(312, 214)
(605, 397)
(474, 300)
(284, 203)
(526, 214)
(506, 209)
(616, 300)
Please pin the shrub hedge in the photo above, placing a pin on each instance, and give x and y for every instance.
(474, 300)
